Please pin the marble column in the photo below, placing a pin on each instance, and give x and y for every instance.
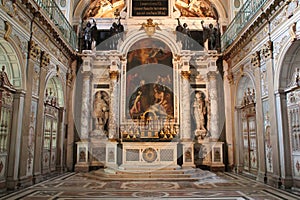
(186, 133)
(25, 153)
(113, 111)
(214, 115)
(82, 164)
(86, 106)
(45, 60)
(229, 113)
(255, 61)
(70, 119)
(267, 52)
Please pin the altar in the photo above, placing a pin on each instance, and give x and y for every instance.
(149, 94)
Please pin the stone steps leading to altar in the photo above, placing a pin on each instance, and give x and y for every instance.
(153, 175)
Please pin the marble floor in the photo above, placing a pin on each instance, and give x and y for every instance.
(90, 186)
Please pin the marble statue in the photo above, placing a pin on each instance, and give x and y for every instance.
(101, 111)
(199, 111)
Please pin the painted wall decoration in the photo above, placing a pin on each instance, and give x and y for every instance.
(104, 8)
(149, 79)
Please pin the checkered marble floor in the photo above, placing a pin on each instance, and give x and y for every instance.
(80, 186)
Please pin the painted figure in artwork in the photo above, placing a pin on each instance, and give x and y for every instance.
(101, 111)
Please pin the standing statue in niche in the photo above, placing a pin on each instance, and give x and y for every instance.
(212, 34)
(200, 112)
(101, 112)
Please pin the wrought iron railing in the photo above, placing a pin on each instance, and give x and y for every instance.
(60, 21)
(248, 10)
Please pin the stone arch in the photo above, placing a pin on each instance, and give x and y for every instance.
(287, 62)
(220, 9)
(11, 59)
(163, 36)
(56, 84)
(245, 81)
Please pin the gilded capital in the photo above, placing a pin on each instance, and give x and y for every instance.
(267, 50)
(114, 74)
(45, 59)
(186, 74)
(34, 50)
(255, 60)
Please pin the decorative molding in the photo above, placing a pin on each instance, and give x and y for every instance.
(150, 27)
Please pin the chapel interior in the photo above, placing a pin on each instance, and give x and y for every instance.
(137, 92)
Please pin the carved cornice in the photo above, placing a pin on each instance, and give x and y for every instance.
(34, 50)
(267, 50)
(186, 74)
(255, 60)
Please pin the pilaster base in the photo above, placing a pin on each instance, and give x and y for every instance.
(37, 178)
(188, 155)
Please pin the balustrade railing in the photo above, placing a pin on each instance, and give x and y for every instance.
(60, 21)
(242, 18)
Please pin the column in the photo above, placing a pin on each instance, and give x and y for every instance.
(186, 133)
(70, 119)
(82, 164)
(113, 111)
(214, 115)
(267, 52)
(255, 61)
(25, 157)
(45, 60)
(229, 113)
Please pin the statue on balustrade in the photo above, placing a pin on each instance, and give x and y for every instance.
(212, 34)
(116, 31)
(101, 111)
(90, 34)
(186, 41)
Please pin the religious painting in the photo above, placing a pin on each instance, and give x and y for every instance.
(149, 80)
(196, 8)
(104, 8)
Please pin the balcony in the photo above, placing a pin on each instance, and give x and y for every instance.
(58, 18)
(243, 17)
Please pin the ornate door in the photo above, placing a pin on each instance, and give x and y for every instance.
(293, 103)
(249, 139)
(6, 110)
(50, 138)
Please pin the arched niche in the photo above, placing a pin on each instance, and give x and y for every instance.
(243, 84)
(288, 61)
(9, 58)
(54, 88)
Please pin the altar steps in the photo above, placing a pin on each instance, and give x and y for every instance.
(153, 175)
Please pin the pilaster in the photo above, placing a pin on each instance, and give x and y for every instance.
(44, 62)
(267, 53)
(256, 64)
(34, 53)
